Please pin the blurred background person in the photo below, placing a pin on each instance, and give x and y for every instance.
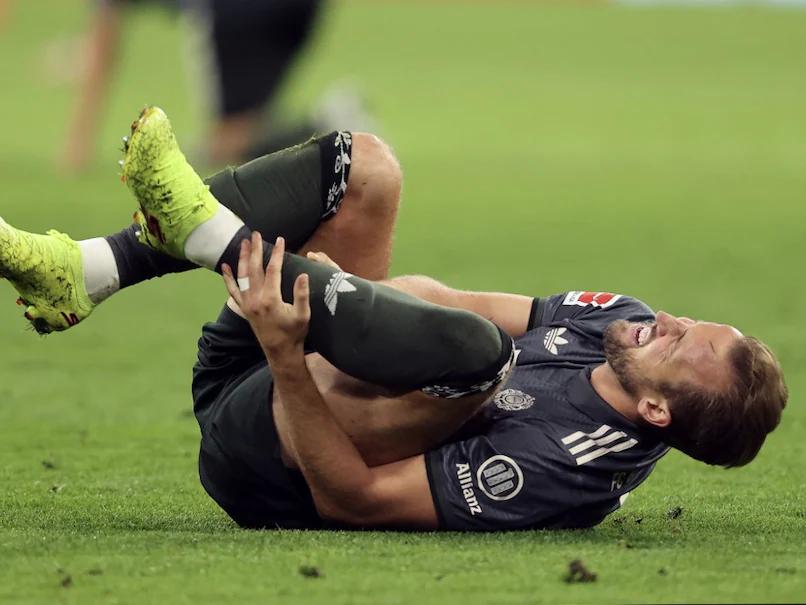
(4, 10)
(246, 49)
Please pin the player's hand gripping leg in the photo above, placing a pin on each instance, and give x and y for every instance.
(279, 327)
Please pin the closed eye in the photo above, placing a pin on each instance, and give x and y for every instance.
(673, 349)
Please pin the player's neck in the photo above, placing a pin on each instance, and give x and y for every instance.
(606, 384)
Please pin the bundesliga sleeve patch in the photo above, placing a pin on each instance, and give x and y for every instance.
(595, 299)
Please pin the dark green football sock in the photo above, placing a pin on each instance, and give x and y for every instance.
(381, 335)
(286, 193)
(289, 192)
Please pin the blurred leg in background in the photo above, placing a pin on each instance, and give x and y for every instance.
(5, 9)
(247, 49)
(100, 53)
(252, 46)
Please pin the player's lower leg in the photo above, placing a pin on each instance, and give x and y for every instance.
(287, 193)
(283, 193)
(368, 330)
(384, 336)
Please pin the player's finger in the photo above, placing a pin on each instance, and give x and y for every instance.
(321, 257)
(302, 297)
(256, 261)
(274, 270)
(229, 281)
(243, 259)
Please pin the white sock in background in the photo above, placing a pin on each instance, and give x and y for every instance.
(100, 270)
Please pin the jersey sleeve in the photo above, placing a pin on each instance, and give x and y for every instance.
(591, 307)
(506, 481)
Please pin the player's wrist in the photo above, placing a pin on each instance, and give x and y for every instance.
(287, 356)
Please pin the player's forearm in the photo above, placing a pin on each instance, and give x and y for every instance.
(509, 311)
(426, 288)
(336, 473)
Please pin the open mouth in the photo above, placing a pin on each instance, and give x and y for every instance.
(642, 334)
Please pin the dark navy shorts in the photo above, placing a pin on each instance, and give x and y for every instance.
(240, 465)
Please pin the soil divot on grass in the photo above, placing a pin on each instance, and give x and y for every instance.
(66, 579)
(579, 573)
(674, 513)
(310, 571)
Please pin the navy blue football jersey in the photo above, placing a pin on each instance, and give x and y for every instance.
(548, 452)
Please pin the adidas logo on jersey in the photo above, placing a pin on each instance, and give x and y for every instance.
(590, 446)
(338, 283)
(554, 339)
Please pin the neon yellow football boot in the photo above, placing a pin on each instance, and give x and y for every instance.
(173, 199)
(47, 272)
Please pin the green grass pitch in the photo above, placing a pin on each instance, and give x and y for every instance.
(656, 152)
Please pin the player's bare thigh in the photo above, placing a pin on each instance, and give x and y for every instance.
(359, 237)
(384, 425)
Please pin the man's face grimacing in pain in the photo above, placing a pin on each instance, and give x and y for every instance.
(686, 378)
(672, 350)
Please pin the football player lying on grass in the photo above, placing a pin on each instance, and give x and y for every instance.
(330, 395)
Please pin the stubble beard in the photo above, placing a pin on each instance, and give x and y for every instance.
(621, 358)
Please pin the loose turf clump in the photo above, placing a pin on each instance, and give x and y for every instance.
(309, 571)
(579, 573)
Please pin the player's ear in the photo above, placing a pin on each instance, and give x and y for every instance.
(655, 411)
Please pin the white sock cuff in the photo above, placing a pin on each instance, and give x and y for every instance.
(207, 242)
(101, 276)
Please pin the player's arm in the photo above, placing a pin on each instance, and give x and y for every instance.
(509, 311)
(344, 488)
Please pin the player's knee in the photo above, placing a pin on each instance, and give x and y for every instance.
(473, 333)
(375, 176)
(476, 347)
